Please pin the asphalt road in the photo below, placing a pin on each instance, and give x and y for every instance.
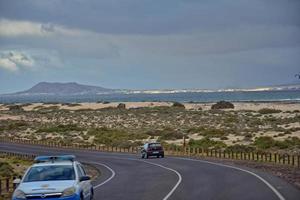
(127, 177)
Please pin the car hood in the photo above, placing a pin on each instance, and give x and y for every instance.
(45, 186)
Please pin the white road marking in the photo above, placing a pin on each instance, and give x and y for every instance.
(240, 169)
(158, 165)
(113, 173)
(170, 169)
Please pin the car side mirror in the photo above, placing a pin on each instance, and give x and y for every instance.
(16, 181)
(84, 178)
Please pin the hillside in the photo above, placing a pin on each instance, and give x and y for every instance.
(70, 88)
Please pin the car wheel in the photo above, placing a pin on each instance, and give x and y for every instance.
(92, 194)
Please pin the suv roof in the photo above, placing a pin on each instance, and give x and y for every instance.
(53, 163)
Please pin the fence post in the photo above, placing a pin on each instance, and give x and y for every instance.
(7, 184)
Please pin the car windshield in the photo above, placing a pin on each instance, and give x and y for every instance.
(50, 173)
(154, 145)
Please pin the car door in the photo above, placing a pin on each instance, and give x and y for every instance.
(82, 184)
(86, 184)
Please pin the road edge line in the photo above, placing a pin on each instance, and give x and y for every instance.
(170, 169)
(113, 173)
(278, 194)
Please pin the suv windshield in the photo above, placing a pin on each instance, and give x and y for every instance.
(155, 145)
(50, 173)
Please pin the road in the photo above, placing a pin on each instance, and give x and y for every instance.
(127, 177)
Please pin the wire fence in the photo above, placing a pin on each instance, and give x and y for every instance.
(256, 156)
(7, 185)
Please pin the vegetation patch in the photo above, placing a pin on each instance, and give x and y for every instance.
(265, 111)
(222, 105)
(178, 105)
(267, 142)
(166, 134)
(59, 128)
(206, 143)
(114, 137)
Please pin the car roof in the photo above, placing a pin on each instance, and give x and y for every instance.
(153, 143)
(58, 163)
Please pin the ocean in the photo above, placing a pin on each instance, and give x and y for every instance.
(293, 96)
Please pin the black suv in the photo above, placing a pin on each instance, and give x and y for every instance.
(152, 149)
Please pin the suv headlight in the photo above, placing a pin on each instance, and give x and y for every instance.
(19, 194)
(69, 192)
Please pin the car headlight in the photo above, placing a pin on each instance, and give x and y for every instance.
(19, 194)
(69, 192)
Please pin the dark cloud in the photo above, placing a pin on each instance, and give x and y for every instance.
(155, 44)
(154, 17)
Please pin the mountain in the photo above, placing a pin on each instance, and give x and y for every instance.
(71, 88)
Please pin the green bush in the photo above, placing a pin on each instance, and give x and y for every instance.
(178, 105)
(195, 130)
(6, 170)
(222, 105)
(121, 106)
(59, 128)
(267, 142)
(264, 142)
(114, 137)
(206, 143)
(240, 148)
(15, 108)
(268, 111)
(211, 132)
(166, 134)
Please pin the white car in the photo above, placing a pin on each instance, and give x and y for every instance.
(54, 177)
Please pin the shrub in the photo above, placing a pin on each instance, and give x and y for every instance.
(211, 132)
(60, 128)
(114, 137)
(121, 106)
(73, 104)
(15, 108)
(222, 105)
(268, 111)
(206, 143)
(240, 148)
(166, 134)
(178, 105)
(264, 142)
(292, 142)
(195, 129)
(6, 170)
(224, 138)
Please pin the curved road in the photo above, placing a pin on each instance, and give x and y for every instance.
(127, 177)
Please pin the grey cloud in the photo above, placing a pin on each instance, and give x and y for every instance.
(153, 17)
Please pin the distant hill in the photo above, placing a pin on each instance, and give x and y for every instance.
(70, 88)
(73, 88)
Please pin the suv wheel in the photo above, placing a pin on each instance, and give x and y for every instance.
(92, 194)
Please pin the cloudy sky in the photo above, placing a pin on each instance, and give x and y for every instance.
(149, 44)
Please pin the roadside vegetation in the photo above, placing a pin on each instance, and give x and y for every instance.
(217, 127)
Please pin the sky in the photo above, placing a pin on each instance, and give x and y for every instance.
(149, 44)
